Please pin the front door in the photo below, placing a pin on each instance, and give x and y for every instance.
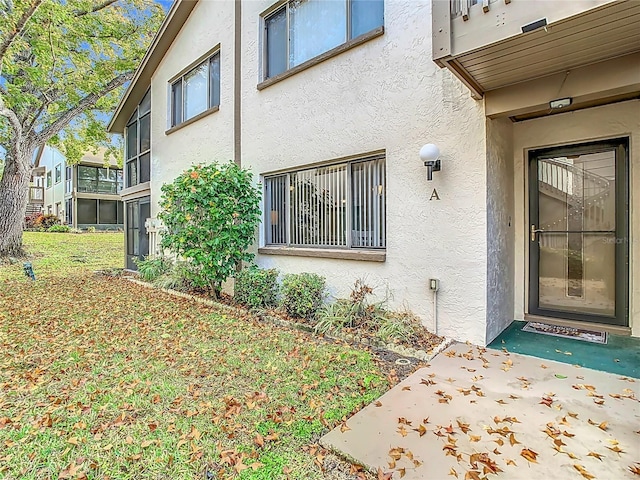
(578, 232)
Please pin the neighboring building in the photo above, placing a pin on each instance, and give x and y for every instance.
(83, 195)
(329, 103)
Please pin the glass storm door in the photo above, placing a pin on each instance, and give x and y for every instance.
(136, 238)
(578, 232)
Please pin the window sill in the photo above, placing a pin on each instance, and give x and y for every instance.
(363, 255)
(206, 113)
(322, 57)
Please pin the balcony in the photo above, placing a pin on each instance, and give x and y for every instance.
(36, 195)
(490, 44)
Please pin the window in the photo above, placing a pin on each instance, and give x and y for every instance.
(99, 180)
(58, 173)
(138, 144)
(196, 91)
(337, 206)
(304, 29)
(99, 212)
(68, 180)
(48, 179)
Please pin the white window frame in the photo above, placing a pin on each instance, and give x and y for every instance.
(265, 45)
(374, 238)
(211, 103)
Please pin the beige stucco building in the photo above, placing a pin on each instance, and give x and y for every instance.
(531, 213)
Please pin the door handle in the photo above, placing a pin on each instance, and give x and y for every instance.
(535, 230)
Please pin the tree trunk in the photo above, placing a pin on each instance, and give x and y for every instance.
(14, 196)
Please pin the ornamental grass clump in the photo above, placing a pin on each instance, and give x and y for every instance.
(211, 213)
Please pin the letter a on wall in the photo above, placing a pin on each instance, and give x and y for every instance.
(434, 195)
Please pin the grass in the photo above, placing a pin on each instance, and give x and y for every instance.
(68, 253)
(103, 378)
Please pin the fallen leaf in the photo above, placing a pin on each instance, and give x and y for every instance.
(583, 472)
(596, 455)
(529, 455)
(384, 475)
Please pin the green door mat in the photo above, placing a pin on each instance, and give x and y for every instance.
(620, 355)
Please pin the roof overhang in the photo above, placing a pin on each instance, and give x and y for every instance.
(488, 54)
(141, 81)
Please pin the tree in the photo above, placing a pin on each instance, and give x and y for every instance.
(211, 213)
(62, 66)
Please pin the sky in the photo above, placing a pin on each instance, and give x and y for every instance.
(166, 4)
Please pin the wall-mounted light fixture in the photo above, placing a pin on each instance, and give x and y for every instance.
(560, 103)
(430, 155)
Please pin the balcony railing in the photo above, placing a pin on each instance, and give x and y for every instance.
(36, 195)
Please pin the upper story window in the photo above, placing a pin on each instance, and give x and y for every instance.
(99, 180)
(58, 173)
(303, 29)
(68, 179)
(49, 180)
(337, 206)
(196, 91)
(138, 144)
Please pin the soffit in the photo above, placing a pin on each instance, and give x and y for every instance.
(589, 38)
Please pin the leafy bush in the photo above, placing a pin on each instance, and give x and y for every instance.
(91, 229)
(151, 268)
(59, 229)
(30, 221)
(46, 221)
(256, 288)
(302, 294)
(211, 213)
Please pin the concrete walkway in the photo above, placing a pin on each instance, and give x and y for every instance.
(476, 412)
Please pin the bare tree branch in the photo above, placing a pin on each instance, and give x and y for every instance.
(6, 43)
(85, 103)
(96, 8)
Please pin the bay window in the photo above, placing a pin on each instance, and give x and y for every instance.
(303, 29)
(335, 206)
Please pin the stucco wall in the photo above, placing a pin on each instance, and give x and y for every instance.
(210, 138)
(610, 121)
(385, 94)
(55, 194)
(500, 227)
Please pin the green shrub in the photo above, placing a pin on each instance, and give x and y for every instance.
(59, 229)
(256, 288)
(151, 268)
(302, 294)
(91, 229)
(211, 213)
